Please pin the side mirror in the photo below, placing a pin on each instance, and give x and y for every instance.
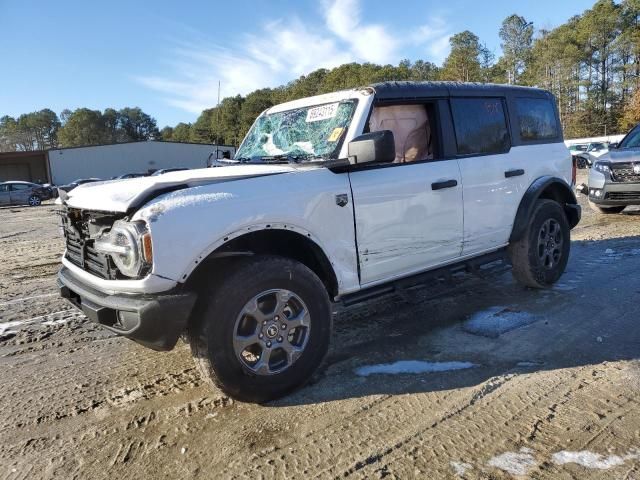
(372, 147)
(613, 145)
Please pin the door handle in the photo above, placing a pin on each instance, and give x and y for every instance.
(444, 184)
(513, 173)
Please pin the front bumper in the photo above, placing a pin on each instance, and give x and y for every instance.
(155, 321)
(615, 194)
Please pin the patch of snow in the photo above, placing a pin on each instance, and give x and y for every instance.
(60, 321)
(592, 460)
(15, 325)
(9, 327)
(495, 321)
(460, 467)
(24, 299)
(515, 463)
(181, 199)
(411, 366)
(529, 364)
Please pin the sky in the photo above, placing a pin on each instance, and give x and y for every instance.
(167, 57)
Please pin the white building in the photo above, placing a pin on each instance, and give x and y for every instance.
(108, 161)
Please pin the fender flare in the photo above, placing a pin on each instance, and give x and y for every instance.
(216, 248)
(553, 188)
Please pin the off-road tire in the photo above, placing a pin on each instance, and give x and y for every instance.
(528, 269)
(211, 331)
(606, 210)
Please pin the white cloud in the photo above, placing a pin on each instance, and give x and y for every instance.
(284, 50)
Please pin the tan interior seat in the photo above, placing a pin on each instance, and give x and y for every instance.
(410, 127)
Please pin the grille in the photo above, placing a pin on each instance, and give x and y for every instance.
(623, 196)
(623, 173)
(79, 245)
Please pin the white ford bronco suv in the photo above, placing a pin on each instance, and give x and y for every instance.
(334, 198)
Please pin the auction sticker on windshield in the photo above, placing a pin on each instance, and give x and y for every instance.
(323, 112)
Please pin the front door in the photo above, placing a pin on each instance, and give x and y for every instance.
(5, 194)
(408, 217)
(20, 193)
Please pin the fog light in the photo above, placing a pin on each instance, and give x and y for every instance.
(128, 320)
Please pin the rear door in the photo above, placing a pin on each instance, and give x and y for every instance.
(494, 179)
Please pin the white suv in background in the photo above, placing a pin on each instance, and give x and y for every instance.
(333, 198)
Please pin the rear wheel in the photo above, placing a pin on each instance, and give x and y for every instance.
(261, 328)
(34, 201)
(606, 210)
(540, 256)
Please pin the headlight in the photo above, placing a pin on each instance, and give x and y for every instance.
(602, 167)
(129, 246)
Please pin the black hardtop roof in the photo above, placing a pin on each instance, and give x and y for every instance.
(405, 90)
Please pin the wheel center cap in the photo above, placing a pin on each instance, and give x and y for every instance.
(272, 331)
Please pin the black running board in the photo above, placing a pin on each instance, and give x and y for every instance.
(472, 265)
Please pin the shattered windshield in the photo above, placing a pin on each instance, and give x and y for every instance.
(308, 133)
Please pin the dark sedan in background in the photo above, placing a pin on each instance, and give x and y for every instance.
(70, 186)
(24, 193)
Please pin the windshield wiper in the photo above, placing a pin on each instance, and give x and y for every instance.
(284, 158)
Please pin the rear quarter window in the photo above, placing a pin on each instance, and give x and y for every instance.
(537, 119)
(480, 125)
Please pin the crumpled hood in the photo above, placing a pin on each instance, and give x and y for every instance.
(624, 155)
(121, 195)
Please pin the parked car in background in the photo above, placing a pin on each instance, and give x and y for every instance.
(575, 151)
(80, 181)
(130, 175)
(23, 193)
(593, 151)
(614, 179)
(162, 171)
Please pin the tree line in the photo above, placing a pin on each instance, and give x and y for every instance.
(591, 64)
(44, 129)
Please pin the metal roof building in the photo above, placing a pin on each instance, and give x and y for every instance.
(63, 165)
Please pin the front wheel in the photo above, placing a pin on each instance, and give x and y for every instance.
(540, 256)
(606, 210)
(34, 201)
(261, 328)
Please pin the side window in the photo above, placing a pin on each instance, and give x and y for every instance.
(412, 130)
(537, 119)
(480, 125)
(4, 188)
(19, 186)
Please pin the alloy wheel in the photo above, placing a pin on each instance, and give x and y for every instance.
(550, 243)
(271, 332)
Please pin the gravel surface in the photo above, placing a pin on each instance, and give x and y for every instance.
(480, 378)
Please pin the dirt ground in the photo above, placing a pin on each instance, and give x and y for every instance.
(552, 388)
